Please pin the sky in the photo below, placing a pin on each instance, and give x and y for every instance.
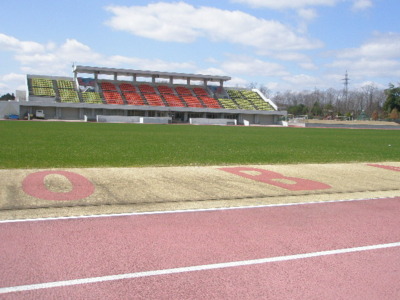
(279, 44)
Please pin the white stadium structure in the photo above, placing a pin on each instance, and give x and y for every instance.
(124, 95)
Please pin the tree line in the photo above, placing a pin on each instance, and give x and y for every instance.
(368, 102)
(7, 97)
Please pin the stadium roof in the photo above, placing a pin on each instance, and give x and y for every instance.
(151, 74)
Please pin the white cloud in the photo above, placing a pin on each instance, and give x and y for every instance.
(146, 64)
(367, 67)
(11, 82)
(378, 57)
(10, 43)
(366, 84)
(300, 4)
(13, 77)
(58, 59)
(302, 60)
(307, 14)
(302, 80)
(308, 66)
(237, 82)
(73, 50)
(212, 71)
(182, 22)
(283, 4)
(54, 59)
(362, 4)
(382, 45)
(244, 65)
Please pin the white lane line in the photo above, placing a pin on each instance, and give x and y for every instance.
(191, 210)
(55, 284)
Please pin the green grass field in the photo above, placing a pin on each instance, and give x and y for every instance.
(65, 144)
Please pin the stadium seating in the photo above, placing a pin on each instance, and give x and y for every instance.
(147, 93)
(146, 89)
(65, 84)
(113, 97)
(42, 82)
(108, 86)
(39, 91)
(210, 102)
(68, 96)
(43, 87)
(192, 101)
(92, 97)
(154, 100)
(183, 91)
(257, 100)
(228, 103)
(67, 92)
(169, 96)
(126, 87)
(133, 98)
(200, 92)
(173, 100)
(240, 100)
(165, 89)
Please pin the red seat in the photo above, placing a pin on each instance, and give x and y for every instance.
(154, 100)
(165, 89)
(147, 89)
(126, 87)
(200, 91)
(192, 101)
(183, 91)
(173, 100)
(113, 97)
(133, 98)
(108, 86)
(210, 102)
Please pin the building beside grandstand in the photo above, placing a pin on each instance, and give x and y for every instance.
(123, 95)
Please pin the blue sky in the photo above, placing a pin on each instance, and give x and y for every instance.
(283, 45)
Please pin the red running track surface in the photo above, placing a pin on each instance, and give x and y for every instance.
(37, 252)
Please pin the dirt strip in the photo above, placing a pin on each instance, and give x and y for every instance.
(70, 192)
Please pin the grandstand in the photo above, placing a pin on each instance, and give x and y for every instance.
(178, 97)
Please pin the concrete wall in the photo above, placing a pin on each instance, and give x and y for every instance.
(42, 99)
(134, 119)
(205, 121)
(117, 119)
(68, 113)
(155, 120)
(266, 119)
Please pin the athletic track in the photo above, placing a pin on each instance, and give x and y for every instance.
(328, 250)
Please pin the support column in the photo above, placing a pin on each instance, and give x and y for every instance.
(58, 113)
(81, 113)
(96, 85)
